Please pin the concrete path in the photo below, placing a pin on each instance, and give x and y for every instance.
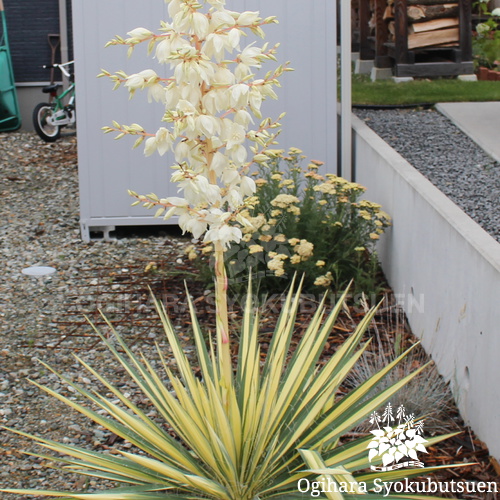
(479, 120)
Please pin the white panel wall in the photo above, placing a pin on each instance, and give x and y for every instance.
(108, 168)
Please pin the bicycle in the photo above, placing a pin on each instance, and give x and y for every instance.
(49, 118)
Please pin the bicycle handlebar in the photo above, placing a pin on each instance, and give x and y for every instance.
(62, 67)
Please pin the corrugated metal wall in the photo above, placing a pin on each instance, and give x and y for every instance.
(29, 22)
(108, 168)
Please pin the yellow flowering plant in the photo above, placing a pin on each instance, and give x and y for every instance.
(306, 222)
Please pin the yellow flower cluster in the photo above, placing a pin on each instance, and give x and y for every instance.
(369, 204)
(276, 263)
(325, 280)
(255, 249)
(191, 252)
(365, 214)
(284, 200)
(304, 248)
(288, 183)
(326, 188)
(371, 212)
(314, 175)
(276, 153)
(151, 266)
(255, 223)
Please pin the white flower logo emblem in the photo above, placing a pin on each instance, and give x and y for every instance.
(394, 443)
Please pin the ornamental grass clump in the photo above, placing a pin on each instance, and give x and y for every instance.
(304, 222)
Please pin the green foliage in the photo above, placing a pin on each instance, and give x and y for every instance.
(486, 40)
(486, 45)
(487, 51)
(238, 439)
(305, 222)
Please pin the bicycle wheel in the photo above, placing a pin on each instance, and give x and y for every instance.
(47, 132)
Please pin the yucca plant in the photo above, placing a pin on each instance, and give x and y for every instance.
(244, 441)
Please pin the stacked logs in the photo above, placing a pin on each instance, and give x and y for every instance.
(431, 23)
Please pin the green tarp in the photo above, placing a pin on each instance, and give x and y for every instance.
(10, 118)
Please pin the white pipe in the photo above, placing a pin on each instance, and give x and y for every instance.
(345, 90)
(63, 31)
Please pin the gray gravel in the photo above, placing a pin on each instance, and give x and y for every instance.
(39, 215)
(447, 157)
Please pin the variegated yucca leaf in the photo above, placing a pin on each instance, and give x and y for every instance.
(247, 439)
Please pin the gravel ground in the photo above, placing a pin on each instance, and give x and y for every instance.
(447, 157)
(41, 318)
(39, 226)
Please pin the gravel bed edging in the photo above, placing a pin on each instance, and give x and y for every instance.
(452, 161)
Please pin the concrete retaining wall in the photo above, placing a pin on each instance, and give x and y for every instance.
(445, 269)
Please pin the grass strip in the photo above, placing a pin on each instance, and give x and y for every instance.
(390, 93)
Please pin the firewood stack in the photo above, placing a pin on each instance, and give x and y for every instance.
(431, 23)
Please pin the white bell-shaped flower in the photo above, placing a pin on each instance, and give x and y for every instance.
(247, 18)
(221, 19)
(247, 186)
(233, 133)
(156, 93)
(174, 7)
(224, 235)
(200, 25)
(140, 34)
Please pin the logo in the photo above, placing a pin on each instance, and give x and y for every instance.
(396, 438)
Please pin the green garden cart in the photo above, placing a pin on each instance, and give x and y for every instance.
(10, 118)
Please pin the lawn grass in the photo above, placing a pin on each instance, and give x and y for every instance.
(423, 91)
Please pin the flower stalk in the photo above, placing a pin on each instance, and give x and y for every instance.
(210, 103)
